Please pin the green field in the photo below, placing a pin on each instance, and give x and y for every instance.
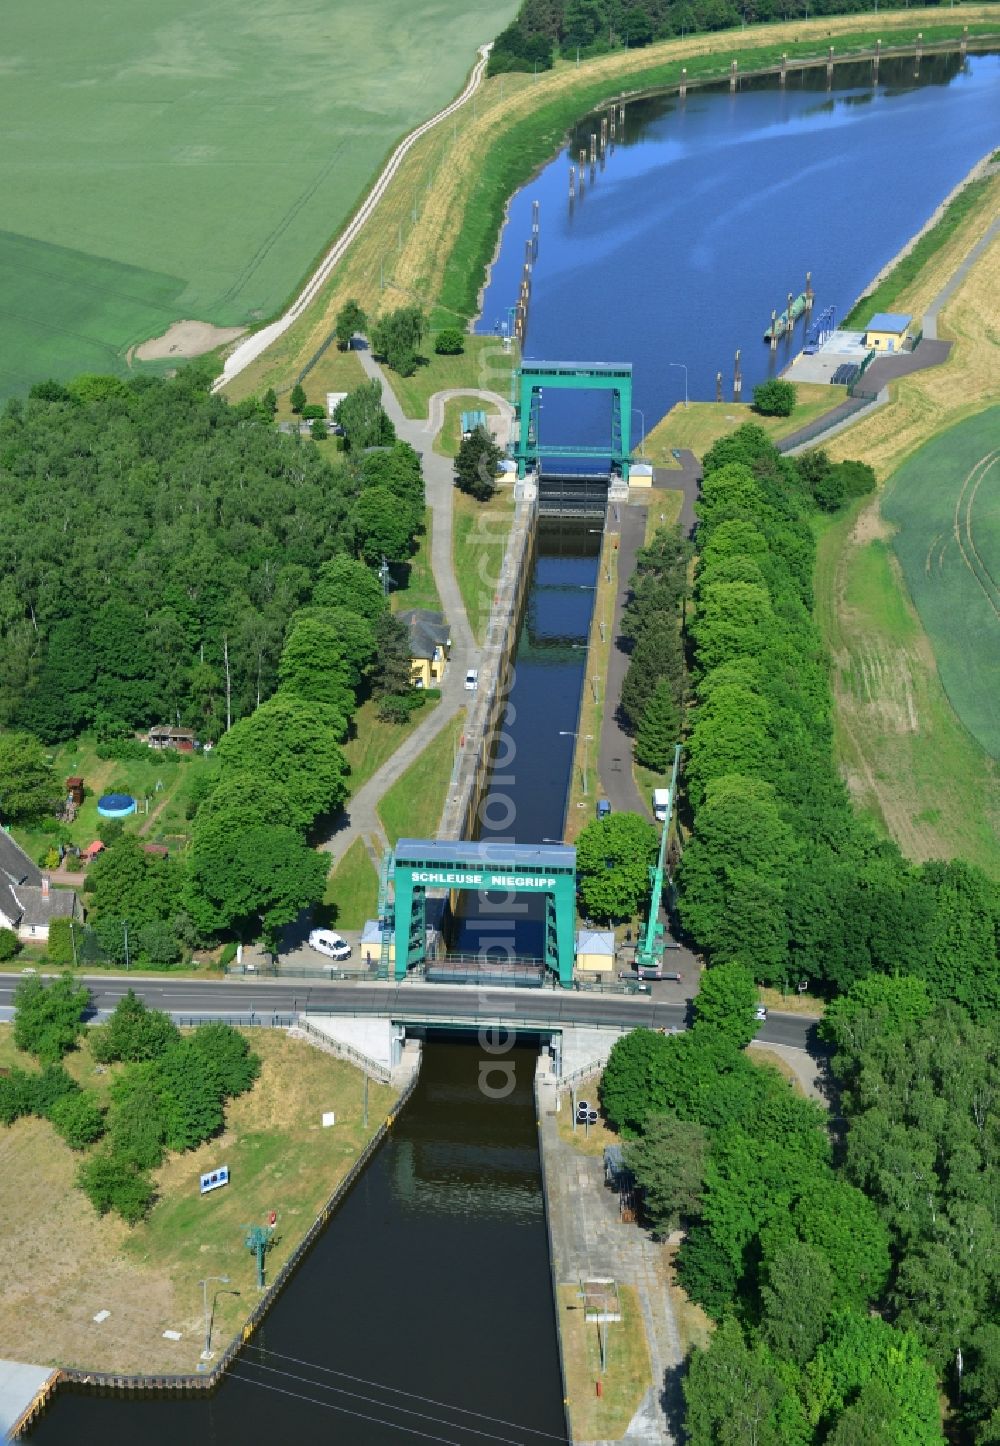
(945, 504)
(193, 162)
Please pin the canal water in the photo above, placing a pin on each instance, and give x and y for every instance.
(425, 1311)
(708, 211)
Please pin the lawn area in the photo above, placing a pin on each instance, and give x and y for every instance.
(703, 423)
(64, 1264)
(412, 807)
(373, 740)
(628, 1375)
(162, 780)
(479, 540)
(332, 371)
(484, 365)
(196, 161)
(944, 504)
(449, 438)
(585, 783)
(909, 763)
(351, 897)
(413, 584)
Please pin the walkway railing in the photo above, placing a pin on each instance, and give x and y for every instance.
(374, 1068)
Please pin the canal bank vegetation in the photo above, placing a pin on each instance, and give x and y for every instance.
(443, 210)
(65, 1263)
(480, 532)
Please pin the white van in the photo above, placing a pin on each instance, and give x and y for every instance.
(661, 803)
(325, 941)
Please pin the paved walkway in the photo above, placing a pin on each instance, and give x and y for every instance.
(19, 1385)
(589, 1240)
(957, 276)
(614, 762)
(360, 819)
(685, 479)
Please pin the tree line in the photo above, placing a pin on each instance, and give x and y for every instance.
(543, 30)
(778, 871)
(155, 542)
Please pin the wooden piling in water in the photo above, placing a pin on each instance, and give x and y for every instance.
(684, 82)
(809, 292)
(878, 54)
(737, 377)
(733, 71)
(593, 148)
(774, 329)
(718, 386)
(783, 73)
(829, 67)
(572, 180)
(963, 47)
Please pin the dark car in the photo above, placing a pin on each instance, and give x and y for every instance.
(603, 807)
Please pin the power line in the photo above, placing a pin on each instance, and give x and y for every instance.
(396, 1390)
(373, 1401)
(345, 1410)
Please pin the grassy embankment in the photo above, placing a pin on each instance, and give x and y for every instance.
(436, 226)
(64, 1264)
(449, 438)
(412, 806)
(908, 759)
(479, 541)
(351, 897)
(628, 1375)
(697, 426)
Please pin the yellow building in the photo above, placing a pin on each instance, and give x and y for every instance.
(430, 646)
(595, 951)
(887, 331)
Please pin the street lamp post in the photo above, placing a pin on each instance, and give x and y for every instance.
(206, 1354)
(587, 739)
(683, 367)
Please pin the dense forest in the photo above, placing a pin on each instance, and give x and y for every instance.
(543, 29)
(154, 543)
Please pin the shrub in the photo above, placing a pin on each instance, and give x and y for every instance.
(134, 1033)
(189, 1099)
(78, 1119)
(60, 945)
(774, 398)
(112, 1184)
(397, 707)
(226, 1058)
(450, 341)
(313, 412)
(44, 1091)
(15, 1096)
(10, 944)
(319, 431)
(49, 1021)
(136, 1125)
(228, 953)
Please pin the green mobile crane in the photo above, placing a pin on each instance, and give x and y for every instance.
(649, 953)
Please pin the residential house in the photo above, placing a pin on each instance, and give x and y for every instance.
(163, 736)
(28, 903)
(430, 645)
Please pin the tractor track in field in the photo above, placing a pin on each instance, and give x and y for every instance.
(966, 499)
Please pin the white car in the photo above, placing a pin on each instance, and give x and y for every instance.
(472, 680)
(760, 1012)
(325, 941)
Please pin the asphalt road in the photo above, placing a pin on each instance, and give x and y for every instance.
(410, 1003)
